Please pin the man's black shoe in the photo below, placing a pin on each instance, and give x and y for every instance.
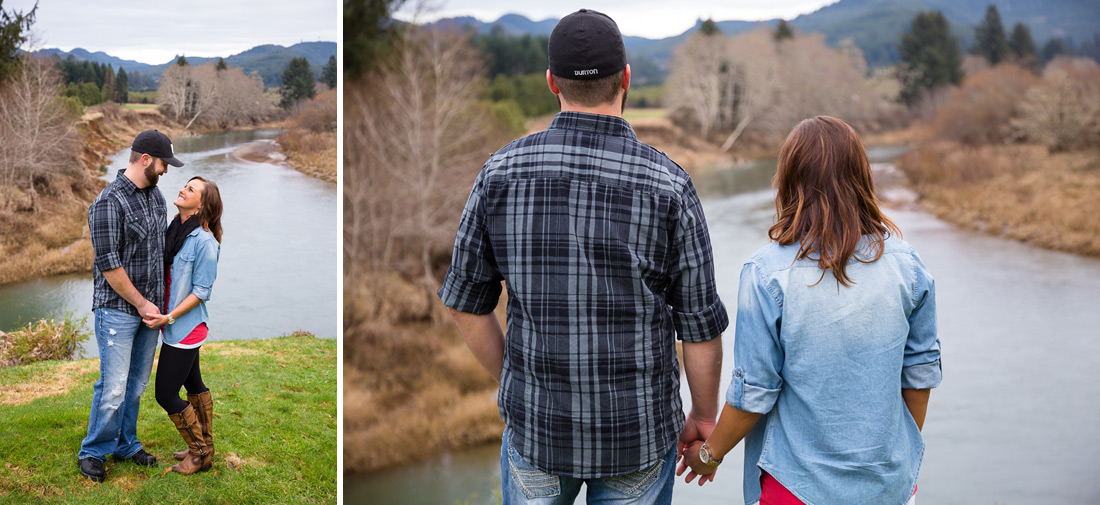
(92, 468)
(143, 458)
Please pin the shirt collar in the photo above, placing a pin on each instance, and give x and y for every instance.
(593, 123)
(126, 182)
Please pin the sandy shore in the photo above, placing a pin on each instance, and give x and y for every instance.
(261, 151)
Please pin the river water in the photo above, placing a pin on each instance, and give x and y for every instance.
(277, 271)
(1014, 422)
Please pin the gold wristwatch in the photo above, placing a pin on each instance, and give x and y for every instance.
(706, 458)
(171, 320)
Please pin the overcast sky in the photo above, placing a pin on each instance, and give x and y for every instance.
(155, 31)
(654, 19)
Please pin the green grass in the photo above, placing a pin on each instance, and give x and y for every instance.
(140, 106)
(274, 409)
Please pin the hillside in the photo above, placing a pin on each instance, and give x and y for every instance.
(267, 60)
(875, 26)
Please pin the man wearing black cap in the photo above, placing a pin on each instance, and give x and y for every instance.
(127, 222)
(604, 248)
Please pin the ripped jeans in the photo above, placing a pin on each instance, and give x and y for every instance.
(523, 483)
(126, 349)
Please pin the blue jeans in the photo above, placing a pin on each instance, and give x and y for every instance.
(126, 349)
(523, 483)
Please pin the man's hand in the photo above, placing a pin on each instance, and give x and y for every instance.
(699, 469)
(148, 309)
(696, 430)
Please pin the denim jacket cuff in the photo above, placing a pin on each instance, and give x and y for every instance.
(749, 398)
(922, 376)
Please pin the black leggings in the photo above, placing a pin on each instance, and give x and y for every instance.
(177, 367)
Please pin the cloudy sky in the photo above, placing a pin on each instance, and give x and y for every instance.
(155, 31)
(644, 18)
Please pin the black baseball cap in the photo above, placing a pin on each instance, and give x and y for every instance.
(586, 45)
(156, 144)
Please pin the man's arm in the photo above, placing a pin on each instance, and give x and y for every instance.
(917, 402)
(120, 282)
(484, 337)
(703, 368)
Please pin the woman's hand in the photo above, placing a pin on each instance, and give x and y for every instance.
(698, 468)
(153, 320)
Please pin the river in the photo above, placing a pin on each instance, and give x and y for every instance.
(1015, 420)
(277, 271)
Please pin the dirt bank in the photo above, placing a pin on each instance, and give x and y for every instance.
(50, 236)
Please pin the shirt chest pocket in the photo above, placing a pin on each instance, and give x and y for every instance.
(136, 228)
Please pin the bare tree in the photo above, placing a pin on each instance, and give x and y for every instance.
(37, 137)
(413, 135)
(754, 82)
(1063, 112)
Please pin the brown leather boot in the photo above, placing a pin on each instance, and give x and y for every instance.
(188, 426)
(204, 411)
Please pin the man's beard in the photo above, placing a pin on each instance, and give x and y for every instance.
(151, 173)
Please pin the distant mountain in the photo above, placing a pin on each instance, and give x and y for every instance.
(875, 26)
(267, 60)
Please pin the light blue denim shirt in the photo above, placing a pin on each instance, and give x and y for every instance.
(826, 365)
(193, 271)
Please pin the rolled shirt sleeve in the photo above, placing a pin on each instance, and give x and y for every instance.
(105, 224)
(472, 284)
(921, 367)
(698, 314)
(757, 353)
(206, 270)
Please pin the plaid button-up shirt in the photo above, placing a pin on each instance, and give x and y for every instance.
(127, 226)
(604, 249)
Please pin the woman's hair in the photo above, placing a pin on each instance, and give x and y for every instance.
(826, 197)
(210, 210)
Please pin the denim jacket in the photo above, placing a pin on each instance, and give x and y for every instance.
(826, 364)
(193, 271)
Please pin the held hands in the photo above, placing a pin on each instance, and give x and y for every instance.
(155, 320)
(151, 315)
(696, 430)
(691, 460)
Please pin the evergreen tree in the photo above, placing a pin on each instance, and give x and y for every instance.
(989, 37)
(709, 27)
(1021, 46)
(13, 33)
(297, 82)
(1054, 47)
(783, 31)
(221, 64)
(181, 61)
(369, 32)
(328, 72)
(122, 86)
(929, 56)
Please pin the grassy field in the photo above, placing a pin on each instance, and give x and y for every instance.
(139, 106)
(632, 114)
(274, 431)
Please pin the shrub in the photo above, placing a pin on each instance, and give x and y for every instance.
(1063, 112)
(982, 109)
(45, 339)
(318, 113)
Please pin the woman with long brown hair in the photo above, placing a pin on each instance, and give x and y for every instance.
(192, 246)
(835, 348)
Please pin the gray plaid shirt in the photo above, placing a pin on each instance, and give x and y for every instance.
(127, 226)
(604, 249)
